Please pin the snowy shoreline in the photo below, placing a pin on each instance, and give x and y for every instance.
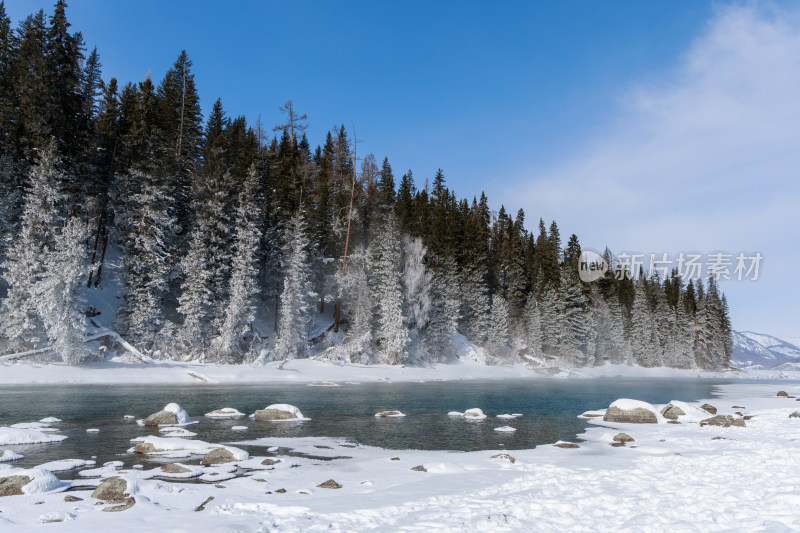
(310, 371)
(671, 477)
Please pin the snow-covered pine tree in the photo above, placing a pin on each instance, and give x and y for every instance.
(147, 230)
(298, 299)
(445, 280)
(24, 266)
(358, 305)
(499, 326)
(576, 319)
(240, 311)
(476, 303)
(620, 351)
(533, 328)
(416, 284)
(58, 296)
(390, 332)
(643, 334)
(195, 296)
(551, 317)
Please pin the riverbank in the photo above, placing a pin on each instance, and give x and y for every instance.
(309, 371)
(671, 477)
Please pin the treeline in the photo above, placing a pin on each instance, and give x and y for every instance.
(233, 242)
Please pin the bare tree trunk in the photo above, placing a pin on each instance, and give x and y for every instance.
(338, 308)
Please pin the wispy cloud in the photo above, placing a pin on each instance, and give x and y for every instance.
(705, 156)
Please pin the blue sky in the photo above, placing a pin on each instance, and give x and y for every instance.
(644, 126)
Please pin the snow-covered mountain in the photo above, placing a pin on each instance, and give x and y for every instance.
(757, 350)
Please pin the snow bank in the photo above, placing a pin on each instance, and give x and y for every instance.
(172, 431)
(50, 420)
(627, 404)
(65, 464)
(225, 412)
(26, 436)
(505, 429)
(42, 481)
(179, 412)
(176, 447)
(9, 455)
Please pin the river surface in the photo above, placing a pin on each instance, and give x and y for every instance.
(549, 409)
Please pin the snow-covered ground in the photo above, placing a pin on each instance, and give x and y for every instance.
(311, 371)
(672, 477)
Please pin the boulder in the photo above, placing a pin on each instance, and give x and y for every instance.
(144, 448)
(218, 456)
(419, 468)
(270, 462)
(172, 468)
(70, 498)
(782, 393)
(710, 408)
(794, 415)
(12, 485)
(724, 421)
(566, 445)
(271, 413)
(623, 437)
(161, 418)
(631, 412)
(330, 484)
(112, 490)
(672, 412)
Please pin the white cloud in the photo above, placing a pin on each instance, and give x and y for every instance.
(704, 157)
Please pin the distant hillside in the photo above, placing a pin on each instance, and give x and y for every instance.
(757, 350)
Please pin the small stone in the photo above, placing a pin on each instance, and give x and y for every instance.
(260, 480)
(70, 498)
(722, 421)
(419, 468)
(782, 393)
(566, 445)
(747, 417)
(394, 459)
(203, 505)
(673, 422)
(618, 444)
(39, 503)
(270, 462)
(172, 468)
(794, 415)
(738, 413)
(710, 408)
(281, 491)
(221, 486)
(738, 407)
(504, 456)
(719, 438)
(623, 437)
(218, 456)
(127, 503)
(330, 484)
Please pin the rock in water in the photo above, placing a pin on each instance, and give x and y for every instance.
(218, 456)
(12, 485)
(389, 414)
(111, 490)
(623, 437)
(724, 421)
(144, 448)
(330, 484)
(277, 412)
(710, 408)
(672, 412)
(161, 418)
